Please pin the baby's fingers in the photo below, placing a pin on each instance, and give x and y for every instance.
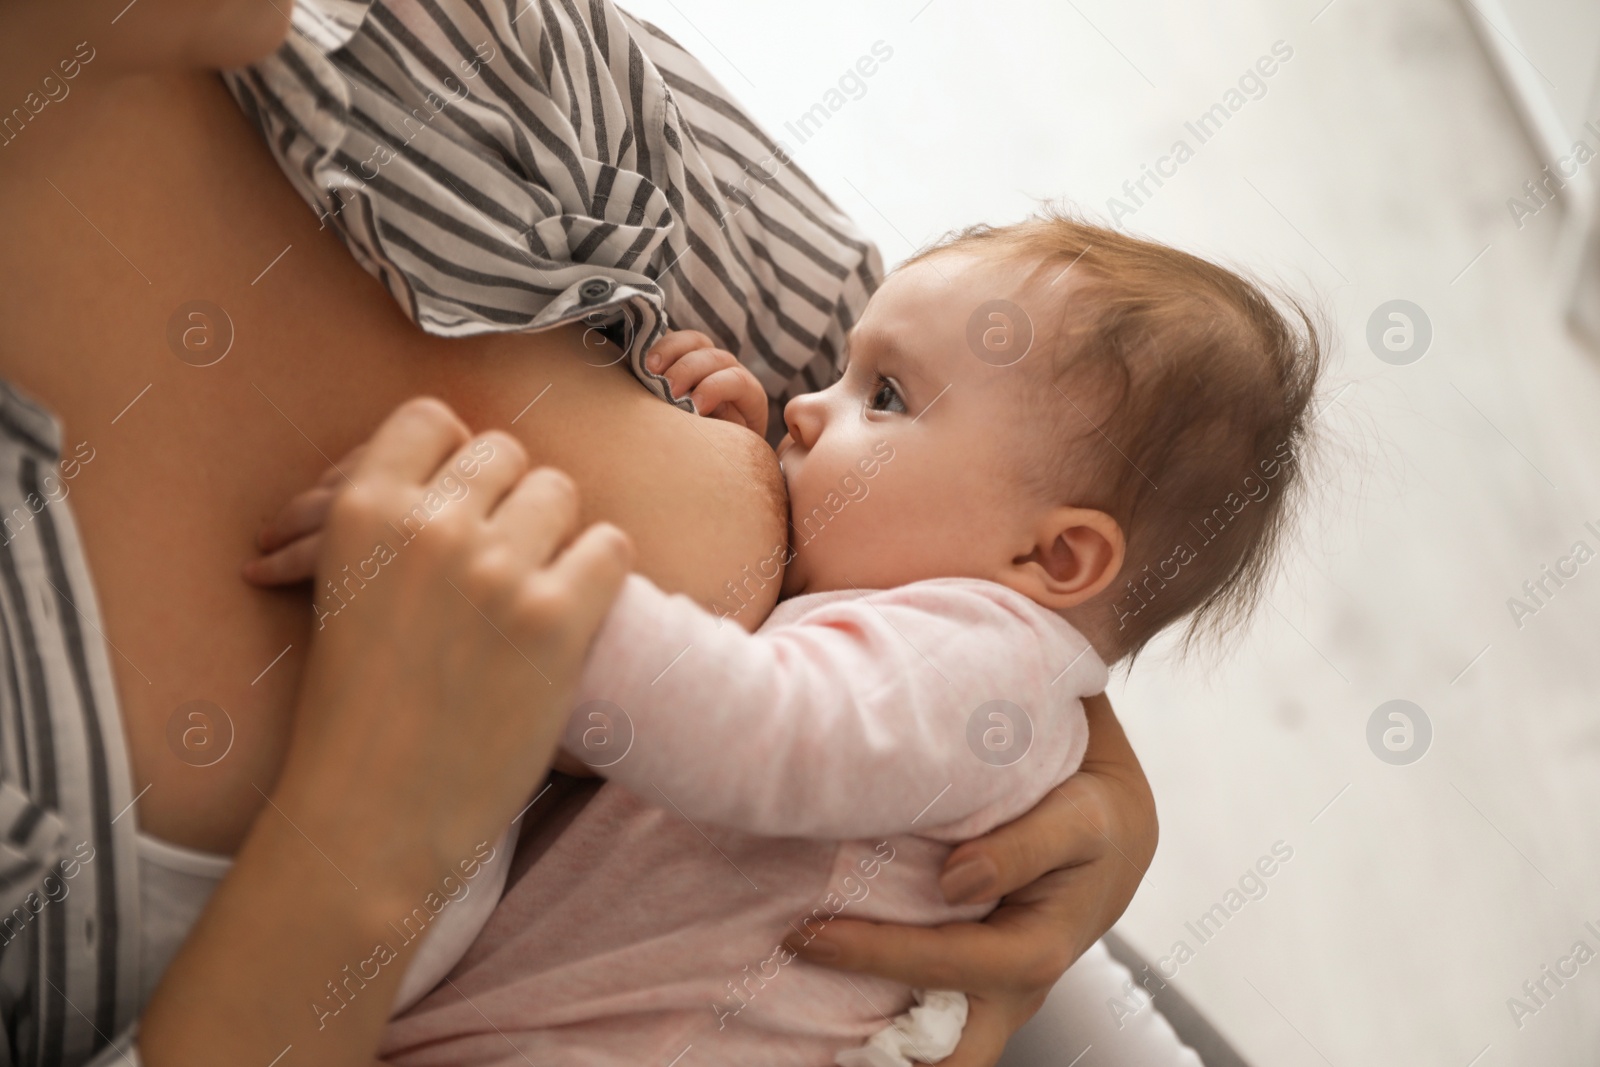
(673, 346)
(737, 388)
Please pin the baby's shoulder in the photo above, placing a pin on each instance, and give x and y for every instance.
(952, 601)
(958, 620)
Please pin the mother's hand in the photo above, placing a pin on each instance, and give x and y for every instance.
(1066, 871)
(454, 617)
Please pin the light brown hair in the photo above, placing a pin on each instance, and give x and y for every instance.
(1184, 391)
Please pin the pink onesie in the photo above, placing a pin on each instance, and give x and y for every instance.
(758, 786)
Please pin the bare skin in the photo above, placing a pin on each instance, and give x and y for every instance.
(82, 330)
(141, 192)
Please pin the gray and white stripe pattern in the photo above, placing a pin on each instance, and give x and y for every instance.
(69, 894)
(509, 166)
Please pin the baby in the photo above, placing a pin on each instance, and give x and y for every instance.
(1051, 442)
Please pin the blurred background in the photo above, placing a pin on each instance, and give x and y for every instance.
(1442, 849)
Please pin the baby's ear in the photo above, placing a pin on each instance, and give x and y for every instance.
(1077, 552)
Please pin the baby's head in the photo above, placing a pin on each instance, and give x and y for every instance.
(1107, 425)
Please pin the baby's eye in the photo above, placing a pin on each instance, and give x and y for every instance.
(886, 396)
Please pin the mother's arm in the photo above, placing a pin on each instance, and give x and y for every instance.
(1065, 872)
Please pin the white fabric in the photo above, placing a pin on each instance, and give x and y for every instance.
(456, 927)
(176, 882)
(928, 1032)
(174, 885)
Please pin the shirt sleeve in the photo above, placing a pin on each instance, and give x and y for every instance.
(941, 709)
(631, 192)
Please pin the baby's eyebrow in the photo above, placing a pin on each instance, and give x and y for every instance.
(913, 372)
(891, 355)
(886, 345)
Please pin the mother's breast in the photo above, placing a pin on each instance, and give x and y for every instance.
(122, 216)
(703, 500)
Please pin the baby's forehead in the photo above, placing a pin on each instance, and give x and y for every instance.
(973, 273)
(1001, 308)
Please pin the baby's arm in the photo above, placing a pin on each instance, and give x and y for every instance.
(720, 386)
(866, 717)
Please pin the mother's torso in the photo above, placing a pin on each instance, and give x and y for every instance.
(120, 213)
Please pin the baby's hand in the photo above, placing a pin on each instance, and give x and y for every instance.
(719, 385)
(290, 541)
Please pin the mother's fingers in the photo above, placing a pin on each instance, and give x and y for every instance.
(1012, 949)
(294, 562)
(538, 515)
(1060, 831)
(412, 442)
(990, 1024)
(306, 513)
(1104, 815)
(587, 575)
(478, 475)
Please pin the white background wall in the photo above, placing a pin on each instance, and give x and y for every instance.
(1556, 43)
(1378, 165)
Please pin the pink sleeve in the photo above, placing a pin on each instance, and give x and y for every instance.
(942, 709)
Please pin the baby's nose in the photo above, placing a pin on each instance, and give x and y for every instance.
(803, 417)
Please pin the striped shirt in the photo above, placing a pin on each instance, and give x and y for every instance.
(498, 166)
(69, 891)
(516, 166)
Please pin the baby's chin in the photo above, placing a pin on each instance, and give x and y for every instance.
(794, 581)
(812, 567)
(811, 571)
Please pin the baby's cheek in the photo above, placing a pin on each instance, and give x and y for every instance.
(835, 540)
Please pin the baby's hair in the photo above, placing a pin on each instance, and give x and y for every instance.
(1183, 394)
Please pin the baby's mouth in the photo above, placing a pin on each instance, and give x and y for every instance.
(786, 463)
(784, 447)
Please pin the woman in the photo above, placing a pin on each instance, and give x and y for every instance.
(346, 787)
